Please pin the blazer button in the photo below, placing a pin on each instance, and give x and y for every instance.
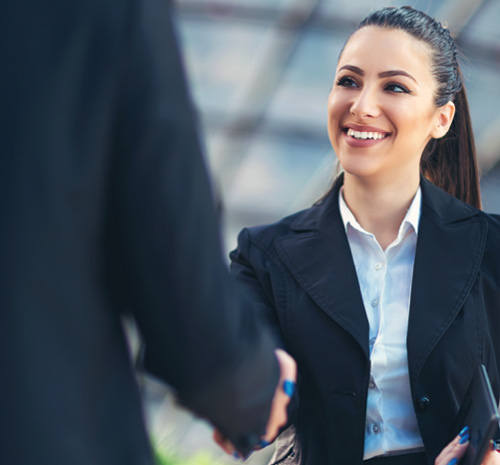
(423, 403)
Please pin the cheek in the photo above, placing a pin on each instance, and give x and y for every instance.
(408, 118)
(336, 102)
(335, 110)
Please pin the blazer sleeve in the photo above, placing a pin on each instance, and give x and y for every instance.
(250, 266)
(163, 245)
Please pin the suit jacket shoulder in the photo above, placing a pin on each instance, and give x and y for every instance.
(311, 219)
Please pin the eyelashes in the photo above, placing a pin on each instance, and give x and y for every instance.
(346, 82)
(393, 87)
(398, 88)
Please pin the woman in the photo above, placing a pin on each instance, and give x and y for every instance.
(387, 291)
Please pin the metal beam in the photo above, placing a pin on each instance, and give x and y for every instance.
(260, 84)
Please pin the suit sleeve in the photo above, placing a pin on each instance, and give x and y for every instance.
(250, 268)
(164, 249)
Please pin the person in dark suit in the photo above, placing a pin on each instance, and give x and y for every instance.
(387, 291)
(106, 210)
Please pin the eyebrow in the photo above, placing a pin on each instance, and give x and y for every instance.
(383, 74)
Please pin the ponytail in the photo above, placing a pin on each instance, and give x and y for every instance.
(450, 162)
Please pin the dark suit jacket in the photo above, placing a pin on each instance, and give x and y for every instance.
(105, 207)
(301, 273)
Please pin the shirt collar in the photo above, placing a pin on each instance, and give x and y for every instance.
(412, 217)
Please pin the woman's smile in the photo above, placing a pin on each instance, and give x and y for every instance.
(363, 136)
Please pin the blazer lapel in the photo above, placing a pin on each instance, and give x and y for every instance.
(319, 258)
(450, 246)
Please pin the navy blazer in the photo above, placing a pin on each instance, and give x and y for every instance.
(301, 273)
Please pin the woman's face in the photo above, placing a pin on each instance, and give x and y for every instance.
(381, 110)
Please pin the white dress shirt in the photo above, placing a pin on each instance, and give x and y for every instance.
(385, 280)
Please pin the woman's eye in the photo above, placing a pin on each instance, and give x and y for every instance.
(346, 82)
(398, 88)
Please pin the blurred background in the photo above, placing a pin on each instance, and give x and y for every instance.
(260, 73)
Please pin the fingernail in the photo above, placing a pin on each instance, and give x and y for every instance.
(263, 443)
(464, 439)
(453, 461)
(289, 387)
(464, 431)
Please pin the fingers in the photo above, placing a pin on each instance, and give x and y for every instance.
(454, 451)
(288, 366)
(284, 392)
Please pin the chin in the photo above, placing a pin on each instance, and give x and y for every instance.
(358, 168)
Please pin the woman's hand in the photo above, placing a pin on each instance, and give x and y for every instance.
(455, 450)
(281, 399)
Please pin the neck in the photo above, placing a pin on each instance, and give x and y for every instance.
(380, 207)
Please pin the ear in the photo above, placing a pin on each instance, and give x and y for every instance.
(444, 118)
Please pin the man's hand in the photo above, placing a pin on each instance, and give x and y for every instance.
(278, 415)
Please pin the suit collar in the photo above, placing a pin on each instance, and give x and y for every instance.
(315, 217)
(445, 208)
(319, 257)
(450, 245)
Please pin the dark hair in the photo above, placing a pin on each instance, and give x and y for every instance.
(449, 162)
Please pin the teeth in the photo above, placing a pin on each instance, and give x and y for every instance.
(365, 135)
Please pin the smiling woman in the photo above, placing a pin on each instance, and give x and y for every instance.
(382, 115)
(387, 291)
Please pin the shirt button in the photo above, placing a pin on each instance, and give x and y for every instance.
(371, 385)
(374, 302)
(372, 340)
(378, 266)
(376, 428)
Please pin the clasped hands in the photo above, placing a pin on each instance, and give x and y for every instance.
(278, 415)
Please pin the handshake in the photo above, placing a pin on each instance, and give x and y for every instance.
(278, 415)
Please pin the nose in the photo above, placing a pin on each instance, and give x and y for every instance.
(365, 103)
